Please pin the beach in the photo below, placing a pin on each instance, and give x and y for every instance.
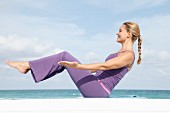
(84, 105)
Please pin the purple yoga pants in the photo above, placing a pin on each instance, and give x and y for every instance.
(86, 82)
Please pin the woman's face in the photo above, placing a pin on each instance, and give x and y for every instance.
(122, 34)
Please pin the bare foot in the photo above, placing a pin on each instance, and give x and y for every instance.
(22, 67)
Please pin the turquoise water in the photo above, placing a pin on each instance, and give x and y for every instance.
(55, 94)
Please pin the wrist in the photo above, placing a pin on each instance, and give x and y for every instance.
(78, 65)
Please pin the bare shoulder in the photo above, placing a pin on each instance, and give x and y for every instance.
(128, 55)
(125, 58)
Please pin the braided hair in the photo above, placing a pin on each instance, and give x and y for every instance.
(134, 29)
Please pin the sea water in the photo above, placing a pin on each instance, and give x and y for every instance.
(73, 93)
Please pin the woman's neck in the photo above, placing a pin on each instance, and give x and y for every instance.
(127, 46)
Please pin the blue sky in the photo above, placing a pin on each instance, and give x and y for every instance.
(32, 29)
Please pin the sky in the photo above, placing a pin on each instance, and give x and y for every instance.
(32, 29)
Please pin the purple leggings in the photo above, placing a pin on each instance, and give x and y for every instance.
(86, 82)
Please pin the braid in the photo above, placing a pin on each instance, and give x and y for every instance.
(134, 29)
(139, 49)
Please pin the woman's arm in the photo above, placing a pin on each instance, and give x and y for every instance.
(91, 67)
(124, 59)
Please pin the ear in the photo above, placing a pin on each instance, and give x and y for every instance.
(129, 34)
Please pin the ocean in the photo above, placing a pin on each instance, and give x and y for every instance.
(73, 93)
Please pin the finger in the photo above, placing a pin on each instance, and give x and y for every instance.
(61, 62)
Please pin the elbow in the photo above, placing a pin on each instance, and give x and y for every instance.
(104, 67)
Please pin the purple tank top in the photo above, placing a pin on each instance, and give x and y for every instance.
(110, 78)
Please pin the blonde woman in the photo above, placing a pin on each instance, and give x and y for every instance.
(108, 73)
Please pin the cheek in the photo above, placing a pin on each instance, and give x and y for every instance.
(123, 35)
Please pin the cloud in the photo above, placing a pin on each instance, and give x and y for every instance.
(158, 60)
(44, 27)
(152, 53)
(38, 4)
(92, 57)
(13, 45)
(125, 6)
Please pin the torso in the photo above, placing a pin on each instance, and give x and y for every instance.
(110, 78)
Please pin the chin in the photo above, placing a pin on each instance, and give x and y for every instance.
(118, 41)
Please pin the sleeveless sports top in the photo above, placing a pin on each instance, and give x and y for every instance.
(110, 78)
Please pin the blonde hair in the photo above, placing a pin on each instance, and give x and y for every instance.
(134, 29)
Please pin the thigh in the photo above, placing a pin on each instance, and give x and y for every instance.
(86, 82)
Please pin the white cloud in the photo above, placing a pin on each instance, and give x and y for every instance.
(125, 6)
(38, 4)
(44, 27)
(158, 60)
(152, 53)
(92, 57)
(14, 44)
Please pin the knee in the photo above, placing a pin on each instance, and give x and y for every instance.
(64, 54)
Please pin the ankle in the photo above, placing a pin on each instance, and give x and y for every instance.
(26, 65)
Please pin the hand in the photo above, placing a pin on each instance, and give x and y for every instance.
(68, 64)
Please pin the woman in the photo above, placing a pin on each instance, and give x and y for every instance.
(108, 73)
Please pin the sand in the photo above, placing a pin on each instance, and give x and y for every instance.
(85, 105)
